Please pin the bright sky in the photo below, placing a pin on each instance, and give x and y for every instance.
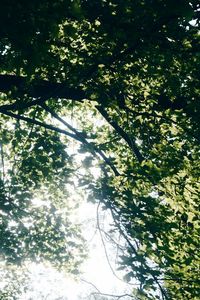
(51, 285)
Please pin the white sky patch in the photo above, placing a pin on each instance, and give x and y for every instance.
(194, 23)
(47, 283)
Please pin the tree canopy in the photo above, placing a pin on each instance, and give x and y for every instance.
(127, 74)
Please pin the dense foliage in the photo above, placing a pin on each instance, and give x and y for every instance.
(127, 73)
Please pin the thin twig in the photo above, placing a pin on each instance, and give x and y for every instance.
(113, 296)
(90, 283)
(104, 246)
(2, 161)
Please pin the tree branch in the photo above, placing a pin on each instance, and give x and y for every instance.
(122, 133)
(114, 296)
(2, 161)
(90, 283)
(35, 122)
(42, 89)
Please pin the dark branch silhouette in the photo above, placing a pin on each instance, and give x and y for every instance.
(122, 133)
(42, 89)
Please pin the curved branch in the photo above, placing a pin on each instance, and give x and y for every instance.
(35, 122)
(131, 143)
(42, 89)
(90, 283)
(114, 296)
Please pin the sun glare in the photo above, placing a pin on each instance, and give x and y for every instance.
(96, 274)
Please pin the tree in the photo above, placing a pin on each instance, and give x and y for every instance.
(133, 64)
